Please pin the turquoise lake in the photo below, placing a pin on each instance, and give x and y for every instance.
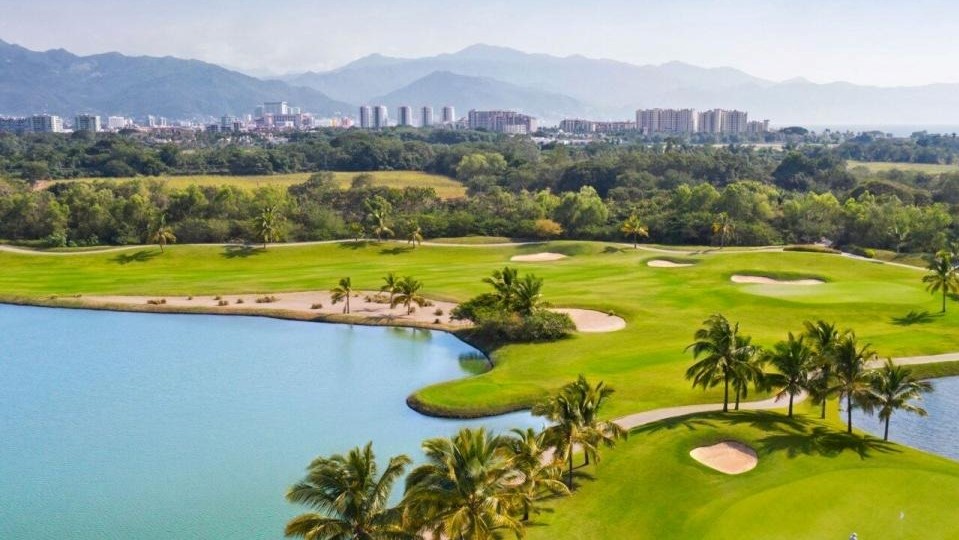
(146, 426)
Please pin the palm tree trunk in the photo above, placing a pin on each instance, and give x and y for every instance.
(738, 392)
(885, 433)
(587, 457)
(161, 248)
(347, 302)
(570, 480)
(822, 415)
(849, 413)
(790, 404)
(943, 299)
(725, 393)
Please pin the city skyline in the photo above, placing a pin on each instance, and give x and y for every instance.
(839, 41)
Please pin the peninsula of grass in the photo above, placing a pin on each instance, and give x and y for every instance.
(645, 362)
(445, 186)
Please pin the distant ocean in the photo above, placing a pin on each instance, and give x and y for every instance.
(899, 130)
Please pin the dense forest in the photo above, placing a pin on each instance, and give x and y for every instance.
(676, 193)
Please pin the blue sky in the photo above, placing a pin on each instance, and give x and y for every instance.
(871, 42)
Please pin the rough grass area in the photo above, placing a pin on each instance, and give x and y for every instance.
(645, 361)
(880, 166)
(812, 482)
(445, 187)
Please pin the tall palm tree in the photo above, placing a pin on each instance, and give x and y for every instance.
(527, 295)
(793, 359)
(823, 337)
(747, 368)
(390, 285)
(504, 286)
(348, 498)
(537, 473)
(408, 293)
(381, 228)
(568, 431)
(716, 343)
(267, 225)
(634, 228)
(852, 380)
(415, 234)
(591, 399)
(942, 276)
(892, 388)
(161, 234)
(723, 227)
(464, 490)
(342, 291)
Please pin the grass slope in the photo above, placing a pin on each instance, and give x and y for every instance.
(881, 166)
(812, 482)
(445, 187)
(645, 362)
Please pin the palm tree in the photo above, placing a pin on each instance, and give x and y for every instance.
(942, 276)
(529, 451)
(504, 285)
(415, 234)
(723, 227)
(348, 499)
(892, 388)
(390, 285)
(792, 359)
(634, 228)
(717, 344)
(380, 224)
(747, 367)
(267, 225)
(591, 399)
(527, 296)
(343, 291)
(568, 431)
(823, 338)
(161, 234)
(852, 379)
(408, 293)
(464, 490)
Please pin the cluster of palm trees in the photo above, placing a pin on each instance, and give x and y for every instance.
(515, 294)
(475, 484)
(823, 361)
(404, 291)
(943, 275)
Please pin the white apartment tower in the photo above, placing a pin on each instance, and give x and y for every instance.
(734, 122)
(381, 117)
(678, 121)
(449, 115)
(86, 122)
(711, 121)
(426, 116)
(366, 117)
(276, 108)
(406, 116)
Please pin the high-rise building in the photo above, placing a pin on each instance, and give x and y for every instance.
(734, 122)
(117, 122)
(14, 124)
(502, 122)
(576, 125)
(86, 122)
(426, 116)
(406, 116)
(366, 117)
(757, 127)
(381, 117)
(711, 121)
(46, 123)
(722, 121)
(676, 121)
(449, 114)
(276, 107)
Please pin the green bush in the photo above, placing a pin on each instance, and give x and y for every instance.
(812, 248)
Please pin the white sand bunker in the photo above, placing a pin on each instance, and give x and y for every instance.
(587, 320)
(770, 281)
(538, 257)
(661, 263)
(728, 457)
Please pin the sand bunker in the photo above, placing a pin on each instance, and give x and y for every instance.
(728, 457)
(587, 320)
(660, 263)
(770, 281)
(538, 257)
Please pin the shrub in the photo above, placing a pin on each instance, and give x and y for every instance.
(868, 253)
(222, 303)
(239, 300)
(812, 248)
(159, 302)
(316, 306)
(189, 298)
(438, 312)
(218, 298)
(378, 298)
(540, 325)
(266, 300)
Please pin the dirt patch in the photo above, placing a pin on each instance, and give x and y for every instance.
(762, 280)
(728, 457)
(588, 320)
(538, 257)
(660, 263)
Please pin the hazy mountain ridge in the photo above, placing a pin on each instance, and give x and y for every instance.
(60, 82)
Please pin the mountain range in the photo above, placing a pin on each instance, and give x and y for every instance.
(480, 76)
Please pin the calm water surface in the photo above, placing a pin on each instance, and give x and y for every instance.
(124, 425)
(937, 433)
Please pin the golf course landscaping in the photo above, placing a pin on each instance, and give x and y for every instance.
(811, 480)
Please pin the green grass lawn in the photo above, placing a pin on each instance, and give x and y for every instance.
(445, 187)
(645, 362)
(880, 166)
(812, 482)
